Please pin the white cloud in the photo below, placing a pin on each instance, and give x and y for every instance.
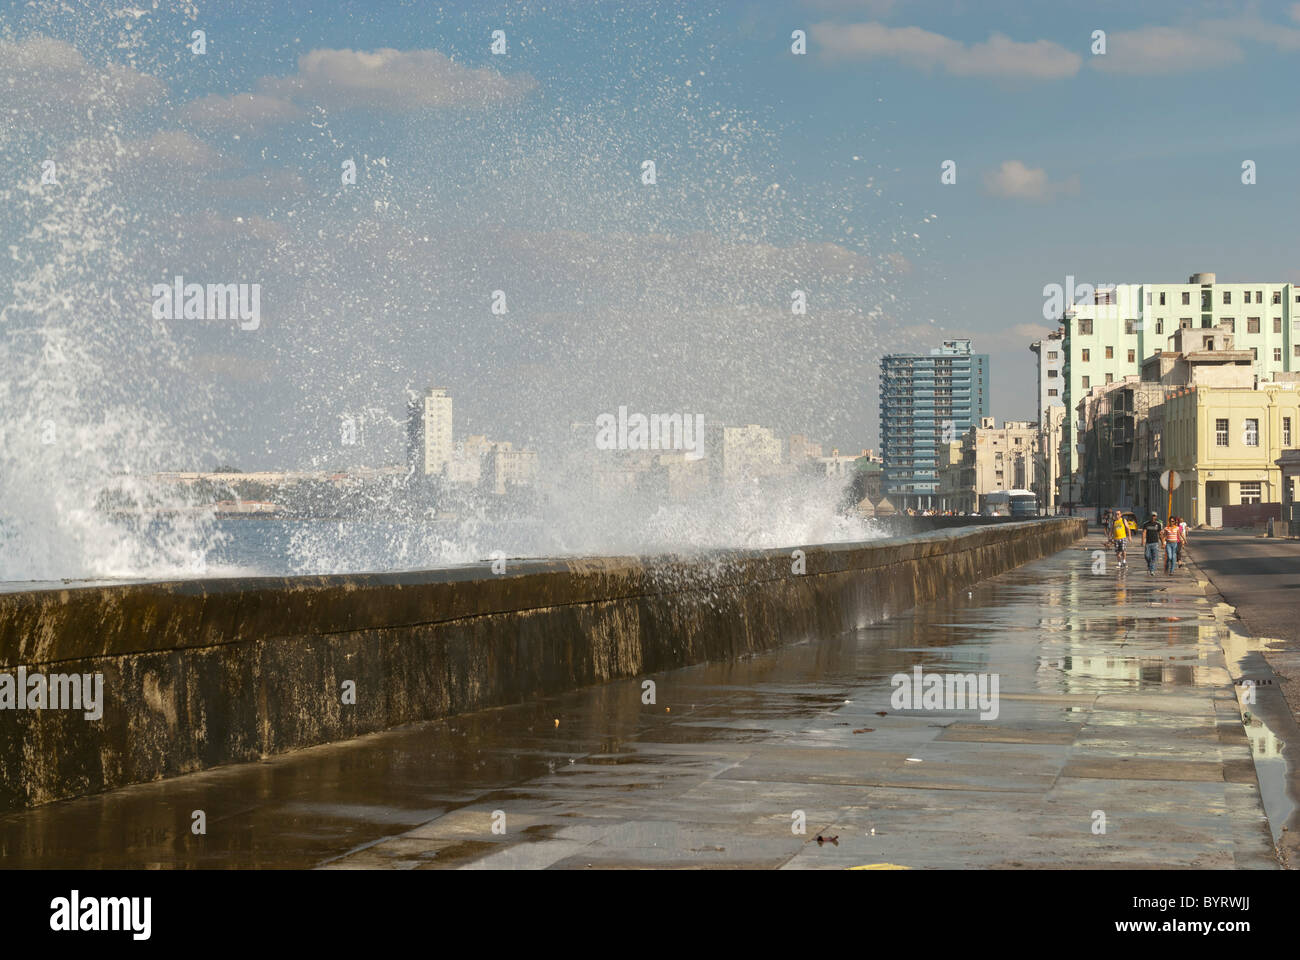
(875, 8)
(242, 112)
(1197, 46)
(393, 80)
(1013, 180)
(1165, 50)
(264, 187)
(999, 56)
(41, 74)
(175, 148)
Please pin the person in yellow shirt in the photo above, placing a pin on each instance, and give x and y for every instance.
(1120, 533)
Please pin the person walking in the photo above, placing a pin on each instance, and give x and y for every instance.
(1119, 533)
(1169, 537)
(1151, 531)
(1108, 526)
(1182, 539)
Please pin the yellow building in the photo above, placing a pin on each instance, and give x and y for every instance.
(1224, 441)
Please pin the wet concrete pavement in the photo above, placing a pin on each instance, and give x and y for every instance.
(1260, 577)
(1117, 703)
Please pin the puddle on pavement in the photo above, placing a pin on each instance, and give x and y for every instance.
(1269, 724)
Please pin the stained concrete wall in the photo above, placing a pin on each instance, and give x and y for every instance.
(205, 672)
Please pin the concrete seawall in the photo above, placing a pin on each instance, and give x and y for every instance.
(204, 672)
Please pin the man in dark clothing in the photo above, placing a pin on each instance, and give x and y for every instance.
(1151, 542)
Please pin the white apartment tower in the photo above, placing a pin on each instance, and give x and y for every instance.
(1051, 408)
(428, 431)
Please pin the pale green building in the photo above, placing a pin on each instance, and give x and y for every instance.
(1110, 331)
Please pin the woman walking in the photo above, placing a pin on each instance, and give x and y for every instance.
(1169, 537)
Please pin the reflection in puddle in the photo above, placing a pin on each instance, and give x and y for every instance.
(1263, 712)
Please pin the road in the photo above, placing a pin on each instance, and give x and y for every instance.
(1261, 578)
(1118, 742)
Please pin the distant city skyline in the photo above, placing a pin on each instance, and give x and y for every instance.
(665, 207)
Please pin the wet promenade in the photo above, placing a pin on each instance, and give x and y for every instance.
(1119, 742)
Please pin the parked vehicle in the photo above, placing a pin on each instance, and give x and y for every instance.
(1010, 503)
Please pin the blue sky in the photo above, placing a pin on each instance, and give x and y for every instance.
(522, 172)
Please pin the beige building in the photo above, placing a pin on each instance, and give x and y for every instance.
(988, 458)
(1004, 456)
(676, 475)
(840, 465)
(742, 453)
(1201, 357)
(466, 463)
(505, 467)
(956, 478)
(1225, 442)
(1047, 469)
(800, 449)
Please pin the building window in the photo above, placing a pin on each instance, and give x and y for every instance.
(1250, 432)
(1085, 327)
(1277, 296)
(1051, 392)
(1110, 377)
(1087, 354)
(1247, 296)
(1051, 374)
(1162, 299)
(1087, 381)
(1128, 325)
(1187, 298)
(1259, 296)
(1250, 491)
(1254, 353)
(1160, 326)
(1296, 350)
(1220, 433)
(1277, 324)
(1277, 354)
(1207, 343)
(1252, 324)
(1286, 431)
(1110, 353)
(1132, 356)
(1230, 323)
(1051, 355)
(1227, 296)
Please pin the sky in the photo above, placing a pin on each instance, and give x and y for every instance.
(524, 172)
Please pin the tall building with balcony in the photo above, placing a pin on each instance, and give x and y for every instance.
(926, 401)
